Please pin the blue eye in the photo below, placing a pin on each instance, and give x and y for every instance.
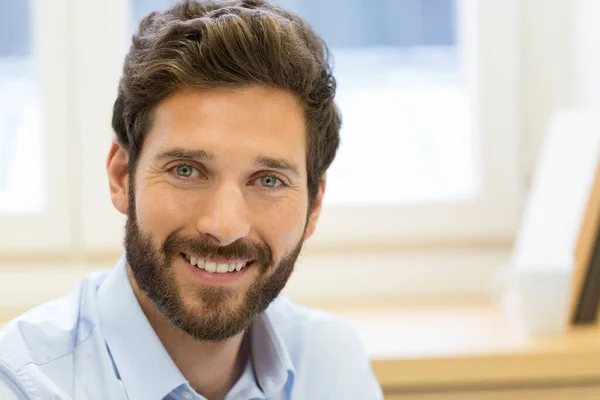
(269, 181)
(184, 171)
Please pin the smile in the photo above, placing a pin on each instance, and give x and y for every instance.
(217, 266)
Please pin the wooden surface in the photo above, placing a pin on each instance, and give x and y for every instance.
(549, 393)
(459, 348)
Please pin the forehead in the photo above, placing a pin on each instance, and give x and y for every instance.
(231, 123)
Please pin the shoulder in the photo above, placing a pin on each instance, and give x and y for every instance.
(310, 327)
(50, 330)
(324, 348)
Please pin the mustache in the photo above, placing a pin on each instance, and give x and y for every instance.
(240, 249)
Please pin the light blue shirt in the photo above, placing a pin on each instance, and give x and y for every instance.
(96, 343)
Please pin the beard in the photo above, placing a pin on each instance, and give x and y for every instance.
(218, 313)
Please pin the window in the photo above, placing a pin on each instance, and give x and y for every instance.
(33, 126)
(430, 156)
(430, 120)
(430, 124)
(20, 115)
(396, 64)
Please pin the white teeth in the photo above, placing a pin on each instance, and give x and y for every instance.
(222, 268)
(210, 266)
(213, 267)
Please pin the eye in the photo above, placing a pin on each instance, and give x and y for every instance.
(269, 181)
(185, 171)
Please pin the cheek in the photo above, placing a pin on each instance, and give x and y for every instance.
(161, 210)
(281, 226)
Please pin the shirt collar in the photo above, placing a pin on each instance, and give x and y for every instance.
(144, 366)
(272, 363)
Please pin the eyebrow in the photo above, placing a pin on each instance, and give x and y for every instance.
(277, 163)
(199, 155)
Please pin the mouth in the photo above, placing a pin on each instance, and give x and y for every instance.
(217, 266)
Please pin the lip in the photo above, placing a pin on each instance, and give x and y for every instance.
(214, 278)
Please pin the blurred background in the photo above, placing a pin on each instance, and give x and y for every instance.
(445, 107)
(446, 104)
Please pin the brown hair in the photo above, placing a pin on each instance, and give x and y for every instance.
(208, 44)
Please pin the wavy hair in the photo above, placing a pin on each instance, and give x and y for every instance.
(209, 44)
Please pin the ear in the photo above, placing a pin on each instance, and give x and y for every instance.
(313, 217)
(118, 176)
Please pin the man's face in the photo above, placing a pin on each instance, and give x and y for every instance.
(217, 208)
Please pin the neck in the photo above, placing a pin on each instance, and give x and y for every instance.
(212, 368)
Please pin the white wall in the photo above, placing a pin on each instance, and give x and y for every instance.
(561, 65)
(586, 54)
(544, 79)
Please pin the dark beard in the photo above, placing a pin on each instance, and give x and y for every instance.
(215, 320)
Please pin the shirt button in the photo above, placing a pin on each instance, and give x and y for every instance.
(187, 395)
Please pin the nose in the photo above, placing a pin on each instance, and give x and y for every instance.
(223, 214)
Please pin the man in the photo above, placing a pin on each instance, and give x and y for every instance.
(225, 126)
